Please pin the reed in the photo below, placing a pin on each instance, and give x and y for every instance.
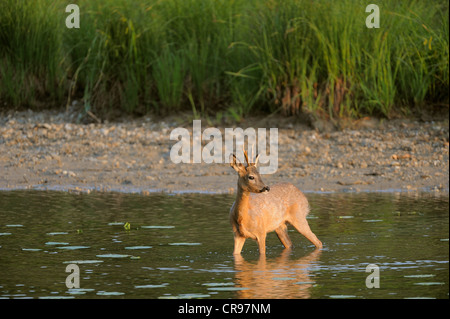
(31, 56)
(225, 56)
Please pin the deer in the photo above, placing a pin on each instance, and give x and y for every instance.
(260, 209)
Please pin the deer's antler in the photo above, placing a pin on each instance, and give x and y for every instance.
(245, 155)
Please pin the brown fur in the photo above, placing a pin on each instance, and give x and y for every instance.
(259, 210)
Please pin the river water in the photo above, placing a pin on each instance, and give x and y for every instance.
(180, 246)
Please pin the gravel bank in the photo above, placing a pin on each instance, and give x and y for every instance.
(49, 150)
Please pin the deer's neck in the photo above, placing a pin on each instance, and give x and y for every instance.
(242, 203)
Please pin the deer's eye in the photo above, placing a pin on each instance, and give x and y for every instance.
(251, 177)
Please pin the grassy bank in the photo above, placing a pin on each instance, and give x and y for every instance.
(225, 57)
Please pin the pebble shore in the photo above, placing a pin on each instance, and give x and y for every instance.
(50, 150)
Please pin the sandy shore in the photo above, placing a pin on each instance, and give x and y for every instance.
(49, 150)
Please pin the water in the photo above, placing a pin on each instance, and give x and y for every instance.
(162, 246)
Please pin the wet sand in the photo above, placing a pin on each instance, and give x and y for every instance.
(49, 150)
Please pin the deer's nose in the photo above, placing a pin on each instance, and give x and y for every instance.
(265, 189)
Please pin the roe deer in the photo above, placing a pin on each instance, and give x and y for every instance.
(260, 209)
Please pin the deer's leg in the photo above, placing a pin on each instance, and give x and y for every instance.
(262, 244)
(303, 228)
(238, 244)
(283, 236)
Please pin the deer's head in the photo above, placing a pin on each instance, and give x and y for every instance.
(249, 178)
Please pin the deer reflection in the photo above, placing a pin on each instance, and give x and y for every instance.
(279, 278)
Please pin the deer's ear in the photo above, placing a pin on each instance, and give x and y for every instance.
(234, 162)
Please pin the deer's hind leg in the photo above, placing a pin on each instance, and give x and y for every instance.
(302, 226)
(283, 236)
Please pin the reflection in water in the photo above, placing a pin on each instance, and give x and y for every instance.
(280, 278)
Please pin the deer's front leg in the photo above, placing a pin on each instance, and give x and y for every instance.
(238, 243)
(262, 244)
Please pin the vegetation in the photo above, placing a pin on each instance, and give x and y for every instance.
(232, 57)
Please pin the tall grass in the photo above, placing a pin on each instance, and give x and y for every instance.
(225, 56)
(30, 53)
(320, 57)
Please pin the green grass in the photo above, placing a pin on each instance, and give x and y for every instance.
(231, 57)
(30, 53)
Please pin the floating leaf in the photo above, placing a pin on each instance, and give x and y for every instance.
(31, 249)
(83, 262)
(419, 276)
(110, 293)
(283, 278)
(304, 282)
(52, 243)
(73, 247)
(186, 296)
(79, 291)
(157, 227)
(113, 256)
(227, 288)
(218, 284)
(151, 286)
(138, 247)
(56, 297)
